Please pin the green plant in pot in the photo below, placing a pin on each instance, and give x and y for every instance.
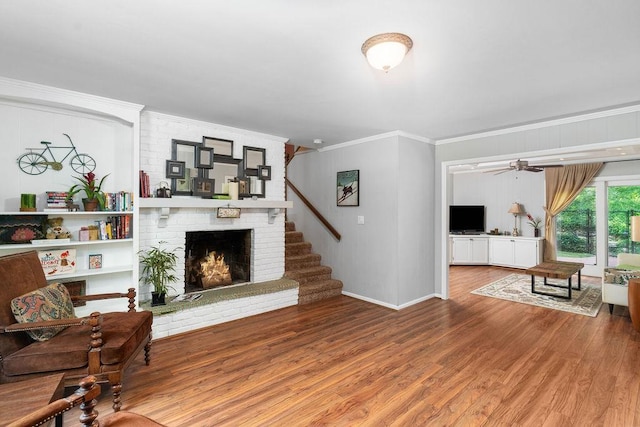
(95, 198)
(158, 270)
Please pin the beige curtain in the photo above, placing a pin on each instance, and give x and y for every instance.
(562, 186)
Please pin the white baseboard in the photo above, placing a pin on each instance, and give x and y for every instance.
(391, 306)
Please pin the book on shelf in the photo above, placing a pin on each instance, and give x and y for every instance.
(121, 201)
(145, 191)
(56, 262)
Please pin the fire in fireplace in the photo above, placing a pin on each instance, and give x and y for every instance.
(217, 258)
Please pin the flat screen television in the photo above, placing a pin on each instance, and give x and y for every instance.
(466, 219)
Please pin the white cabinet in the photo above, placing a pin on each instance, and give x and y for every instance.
(469, 250)
(505, 251)
(518, 252)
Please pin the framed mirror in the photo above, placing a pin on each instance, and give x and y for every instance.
(224, 170)
(253, 157)
(221, 147)
(184, 151)
(204, 157)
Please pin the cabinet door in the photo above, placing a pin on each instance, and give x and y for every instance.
(480, 250)
(460, 251)
(501, 251)
(526, 253)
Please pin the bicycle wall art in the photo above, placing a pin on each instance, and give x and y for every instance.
(37, 160)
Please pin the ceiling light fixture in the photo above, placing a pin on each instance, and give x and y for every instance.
(385, 51)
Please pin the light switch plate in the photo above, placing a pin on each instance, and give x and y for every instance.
(360, 219)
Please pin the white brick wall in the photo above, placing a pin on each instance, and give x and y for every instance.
(224, 311)
(267, 257)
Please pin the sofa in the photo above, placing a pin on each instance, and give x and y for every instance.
(616, 279)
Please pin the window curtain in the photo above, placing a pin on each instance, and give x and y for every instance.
(562, 186)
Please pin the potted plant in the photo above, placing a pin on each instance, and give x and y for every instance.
(95, 197)
(158, 270)
(535, 223)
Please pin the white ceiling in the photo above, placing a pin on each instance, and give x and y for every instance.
(294, 68)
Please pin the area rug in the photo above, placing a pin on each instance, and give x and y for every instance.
(517, 288)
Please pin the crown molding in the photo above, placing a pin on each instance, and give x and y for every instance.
(395, 133)
(21, 91)
(543, 124)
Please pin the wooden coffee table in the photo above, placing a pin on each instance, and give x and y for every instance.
(23, 397)
(555, 270)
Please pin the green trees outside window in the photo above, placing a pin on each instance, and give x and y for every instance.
(576, 226)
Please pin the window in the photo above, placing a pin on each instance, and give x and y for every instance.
(623, 202)
(576, 229)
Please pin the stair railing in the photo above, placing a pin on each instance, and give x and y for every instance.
(313, 209)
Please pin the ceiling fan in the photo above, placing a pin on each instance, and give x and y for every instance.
(523, 165)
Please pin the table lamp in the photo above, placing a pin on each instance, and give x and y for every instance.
(515, 209)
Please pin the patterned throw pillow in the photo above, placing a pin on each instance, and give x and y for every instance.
(22, 228)
(48, 303)
(620, 277)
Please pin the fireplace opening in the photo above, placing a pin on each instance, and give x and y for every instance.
(215, 259)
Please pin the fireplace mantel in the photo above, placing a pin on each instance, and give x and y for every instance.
(166, 204)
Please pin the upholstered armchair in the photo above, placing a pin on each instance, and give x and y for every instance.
(86, 397)
(102, 344)
(615, 280)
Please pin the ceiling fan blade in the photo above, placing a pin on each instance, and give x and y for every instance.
(532, 169)
(499, 171)
(492, 170)
(547, 166)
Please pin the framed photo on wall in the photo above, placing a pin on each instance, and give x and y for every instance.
(348, 187)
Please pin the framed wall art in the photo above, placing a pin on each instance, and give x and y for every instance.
(95, 261)
(348, 187)
(175, 169)
(264, 172)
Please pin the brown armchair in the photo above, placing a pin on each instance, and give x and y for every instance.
(86, 397)
(102, 344)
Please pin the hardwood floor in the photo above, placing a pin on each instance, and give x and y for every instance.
(471, 360)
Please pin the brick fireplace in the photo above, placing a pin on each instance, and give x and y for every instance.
(170, 220)
(215, 259)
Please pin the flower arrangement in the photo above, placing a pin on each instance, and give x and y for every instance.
(88, 185)
(534, 222)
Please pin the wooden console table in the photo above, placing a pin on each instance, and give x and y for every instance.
(24, 397)
(556, 270)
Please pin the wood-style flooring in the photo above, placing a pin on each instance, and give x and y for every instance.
(467, 361)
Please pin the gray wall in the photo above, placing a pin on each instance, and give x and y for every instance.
(376, 261)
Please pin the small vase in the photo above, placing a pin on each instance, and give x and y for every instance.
(536, 232)
(90, 205)
(157, 299)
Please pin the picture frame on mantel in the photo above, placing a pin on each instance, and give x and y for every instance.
(203, 187)
(348, 188)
